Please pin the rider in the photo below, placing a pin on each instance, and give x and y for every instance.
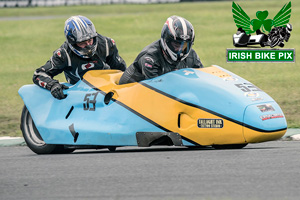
(83, 50)
(278, 35)
(172, 52)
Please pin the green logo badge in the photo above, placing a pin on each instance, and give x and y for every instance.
(261, 32)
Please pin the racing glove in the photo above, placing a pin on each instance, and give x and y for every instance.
(57, 91)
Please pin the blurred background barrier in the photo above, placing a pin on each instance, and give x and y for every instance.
(33, 3)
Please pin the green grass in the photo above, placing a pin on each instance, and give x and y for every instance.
(28, 42)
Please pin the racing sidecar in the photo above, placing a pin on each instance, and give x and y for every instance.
(241, 39)
(189, 107)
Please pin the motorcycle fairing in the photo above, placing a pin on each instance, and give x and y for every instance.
(173, 102)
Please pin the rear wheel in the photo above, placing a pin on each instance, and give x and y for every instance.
(229, 146)
(33, 138)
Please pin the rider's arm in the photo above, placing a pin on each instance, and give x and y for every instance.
(150, 68)
(194, 59)
(114, 60)
(43, 76)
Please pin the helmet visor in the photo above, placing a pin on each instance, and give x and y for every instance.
(179, 47)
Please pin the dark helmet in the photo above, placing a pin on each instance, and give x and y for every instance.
(177, 38)
(79, 29)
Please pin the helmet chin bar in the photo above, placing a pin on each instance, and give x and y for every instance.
(168, 54)
(86, 52)
(173, 55)
(186, 55)
(177, 57)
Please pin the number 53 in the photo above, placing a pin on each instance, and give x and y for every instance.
(90, 99)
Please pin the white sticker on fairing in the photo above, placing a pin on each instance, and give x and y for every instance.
(186, 72)
(210, 123)
(230, 79)
(271, 116)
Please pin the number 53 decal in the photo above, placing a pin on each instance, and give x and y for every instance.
(90, 101)
(247, 87)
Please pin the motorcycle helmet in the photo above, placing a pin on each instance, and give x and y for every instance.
(177, 38)
(289, 28)
(78, 29)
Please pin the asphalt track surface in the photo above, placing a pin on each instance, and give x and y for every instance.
(261, 171)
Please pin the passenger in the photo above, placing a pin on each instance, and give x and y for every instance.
(83, 50)
(172, 52)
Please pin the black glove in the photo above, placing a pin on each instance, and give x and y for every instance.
(57, 90)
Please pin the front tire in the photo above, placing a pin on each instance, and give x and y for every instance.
(33, 138)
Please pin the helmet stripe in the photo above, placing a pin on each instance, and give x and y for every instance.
(184, 26)
(80, 24)
(83, 22)
(77, 28)
(169, 22)
(75, 22)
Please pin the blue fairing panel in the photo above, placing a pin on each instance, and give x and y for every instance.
(113, 125)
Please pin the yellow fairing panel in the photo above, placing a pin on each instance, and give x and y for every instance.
(253, 136)
(169, 113)
(213, 70)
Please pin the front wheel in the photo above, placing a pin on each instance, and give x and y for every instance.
(33, 138)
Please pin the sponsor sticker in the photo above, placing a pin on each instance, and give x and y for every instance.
(184, 37)
(187, 72)
(58, 53)
(257, 99)
(87, 66)
(230, 78)
(272, 116)
(210, 123)
(251, 94)
(43, 84)
(266, 108)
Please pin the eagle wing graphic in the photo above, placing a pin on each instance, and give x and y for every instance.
(283, 16)
(241, 19)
